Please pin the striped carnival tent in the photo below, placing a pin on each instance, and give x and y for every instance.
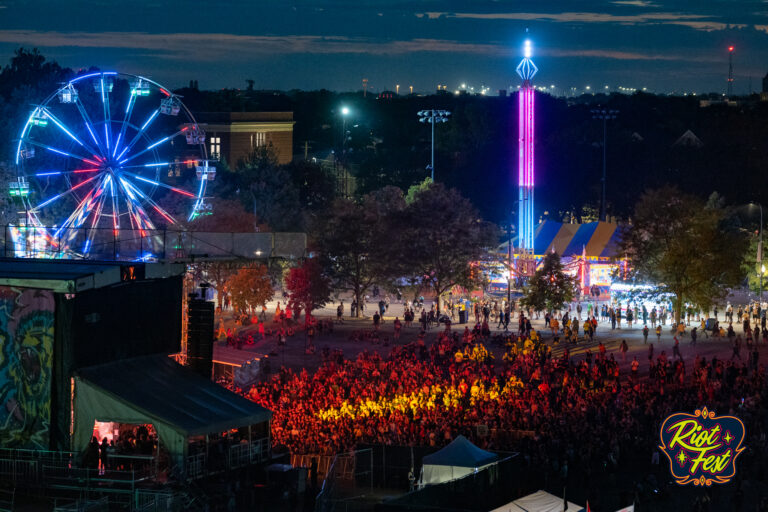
(598, 240)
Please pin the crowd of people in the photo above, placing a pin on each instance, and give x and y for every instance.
(560, 414)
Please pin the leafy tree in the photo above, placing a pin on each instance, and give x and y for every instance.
(25, 81)
(685, 247)
(354, 243)
(308, 288)
(250, 287)
(440, 235)
(752, 267)
(550, 288)
(267, 190)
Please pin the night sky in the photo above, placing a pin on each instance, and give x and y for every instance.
(664, 46)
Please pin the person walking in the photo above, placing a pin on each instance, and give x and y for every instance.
(398, 326)
(624, 349)
(635, 367)
(736, 344)
(658, 334)
(645, 334)
(694, 335)
(676, 349)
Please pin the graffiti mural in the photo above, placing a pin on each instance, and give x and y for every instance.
(26, 357)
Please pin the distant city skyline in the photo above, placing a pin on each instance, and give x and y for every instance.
(664, 46)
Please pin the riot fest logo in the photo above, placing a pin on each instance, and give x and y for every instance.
(702, 448)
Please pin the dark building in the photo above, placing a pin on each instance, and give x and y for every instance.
(233, 136)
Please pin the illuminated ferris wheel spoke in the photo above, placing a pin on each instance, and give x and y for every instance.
(115, 207)
(153, 145)
(63, 153)
(167, 216)
(75, 215)
(63, 173)
(126, 120)
(88, 124)
(138, 135)
(159, 184)
(63, 128)
(107, 117)
(63, 194)
(140, 214)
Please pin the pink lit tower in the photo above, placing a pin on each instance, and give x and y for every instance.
(526, 69)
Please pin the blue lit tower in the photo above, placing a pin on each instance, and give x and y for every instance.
(526, 69)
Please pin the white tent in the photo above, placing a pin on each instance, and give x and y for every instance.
(458, 459)
(540, 501)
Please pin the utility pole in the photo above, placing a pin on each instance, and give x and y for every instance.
(605, 115)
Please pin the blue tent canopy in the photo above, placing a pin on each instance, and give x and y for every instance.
(461, 453)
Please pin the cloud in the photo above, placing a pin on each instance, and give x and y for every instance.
(709, 26)
(572, 17)
(635, 3)
(215, 47)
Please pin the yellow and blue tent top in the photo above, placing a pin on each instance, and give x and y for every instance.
(598, 240)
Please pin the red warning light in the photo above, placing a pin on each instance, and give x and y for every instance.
(730, 48)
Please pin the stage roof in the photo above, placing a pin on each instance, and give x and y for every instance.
(173, 395)
(71, 276)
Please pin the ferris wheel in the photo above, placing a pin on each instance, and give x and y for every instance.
(109, 158)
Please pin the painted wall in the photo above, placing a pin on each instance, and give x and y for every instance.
(26, 357)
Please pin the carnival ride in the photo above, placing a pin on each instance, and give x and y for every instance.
(108, 158)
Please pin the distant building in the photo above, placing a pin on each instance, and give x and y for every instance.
(234, 135)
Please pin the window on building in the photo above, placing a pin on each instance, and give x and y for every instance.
(258, 139)
(215, 147)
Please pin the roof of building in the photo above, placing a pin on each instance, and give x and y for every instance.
(243, 117)
(72, 276)
(174, 395)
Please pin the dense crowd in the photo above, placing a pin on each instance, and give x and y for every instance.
(559, 413)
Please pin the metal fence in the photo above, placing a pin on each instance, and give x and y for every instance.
(237, 456)
(148, 245)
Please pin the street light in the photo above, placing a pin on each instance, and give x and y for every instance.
(432, 117)
(605, 115)
(344, 136)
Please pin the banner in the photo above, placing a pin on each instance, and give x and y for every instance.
(26, 359)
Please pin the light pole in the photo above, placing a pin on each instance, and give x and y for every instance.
(760, 252)
(432, 117)
(605, 115)
(343, 183)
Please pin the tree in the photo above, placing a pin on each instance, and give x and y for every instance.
(752, 267)
(684, 247)
(353, 241)
(267, 190)
(250, 287)
(440, 234)
(550, 288)
(308, 288)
